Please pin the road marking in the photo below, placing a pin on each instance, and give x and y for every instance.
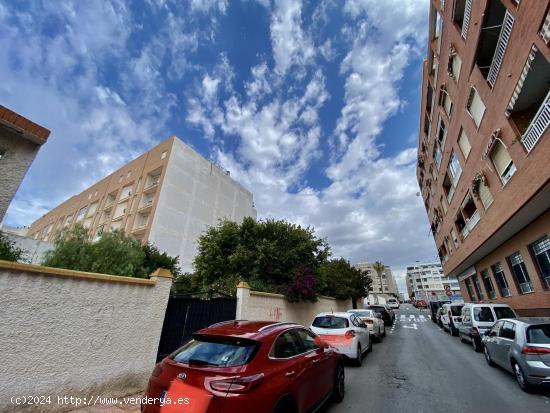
(413, 326)
(402, 318)
(422, 318)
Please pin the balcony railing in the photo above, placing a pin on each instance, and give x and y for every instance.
(526, 287)
(500, 50)
(538, 125)
(466, 21)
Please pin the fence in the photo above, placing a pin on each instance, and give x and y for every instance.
(255, 305)
(71, 333)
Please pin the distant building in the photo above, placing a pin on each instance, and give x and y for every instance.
(380, 285)
(20, 140)
(168, 196)
(427, 282)
(484, 148)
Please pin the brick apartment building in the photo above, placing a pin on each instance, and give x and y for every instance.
(20, 141)
(168, 196)
(484, 148)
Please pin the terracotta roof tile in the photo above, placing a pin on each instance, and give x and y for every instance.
(23, 123)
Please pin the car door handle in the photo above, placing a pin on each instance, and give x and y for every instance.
(290, 373)
(316, 360)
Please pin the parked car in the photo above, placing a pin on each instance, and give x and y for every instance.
(478, 318)
(248, 366)
(434, 306)
(345, 332)
(521, 346)
(393, 303)
(420, 304)
(438, 317)
(387, 313)
(374, 322)
(451, 317)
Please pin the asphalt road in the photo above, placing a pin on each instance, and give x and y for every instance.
(427, 370)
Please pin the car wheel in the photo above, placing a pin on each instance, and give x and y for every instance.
(339, 384)
(488, 358)
(520, 378)
(454, 332)
(477, 345)
(359, 359)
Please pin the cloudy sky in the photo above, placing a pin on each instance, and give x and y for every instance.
(313, 106)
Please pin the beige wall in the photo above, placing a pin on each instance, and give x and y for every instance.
(255, 305)
(71, 333)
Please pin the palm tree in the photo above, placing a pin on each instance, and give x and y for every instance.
(379, 268)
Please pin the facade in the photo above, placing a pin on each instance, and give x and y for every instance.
(484, 147)
(427, 282)
(20, 140)
(168, 196)
(387, 287)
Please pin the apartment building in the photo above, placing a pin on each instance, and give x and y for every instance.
(168, 196)
(428, 282)
(484, 148)
(20, 141)
(380, 285)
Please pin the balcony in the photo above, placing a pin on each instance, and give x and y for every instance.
(538, 125)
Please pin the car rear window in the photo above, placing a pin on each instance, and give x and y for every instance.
(363, 313)
(539, 334)
(216, 351)
(380, 309)
(330, 322)
(483, 314)
(456, 310)
(504, 312)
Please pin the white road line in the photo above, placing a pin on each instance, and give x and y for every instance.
(422, 318)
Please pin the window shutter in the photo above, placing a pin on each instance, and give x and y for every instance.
(456, 65)
(485, 195)
(476, 107)
(464, 144)
(500, 157)
(466, 21)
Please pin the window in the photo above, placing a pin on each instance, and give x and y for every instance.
(504, 312)
(163, 155)
(286, 346)
(448, 187)
(541, 253)
(477, 287)
(520, 274)
(330, 322)
(455, 63)
(443, 205)
(129, 174)
(539, 334)
(81, 213)
(503, 163)
(454, 237)
(470, 290)
(467, 217)
(485, 194)
(464, 144)
(488, 283)
(458, 12)
(126, 192)
(475, 106)
(93, 208)
(120, 210)
(455, 169)
(308, 340)
(508, 331)
(221, 352)
(501, 280)
(483, 314)
(446, 102)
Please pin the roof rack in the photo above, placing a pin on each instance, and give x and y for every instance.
(225, 322)
(277, 324)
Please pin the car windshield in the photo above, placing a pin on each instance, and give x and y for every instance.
(330, 322)
(483, 314)
(363, 313)
(456, 310)
(379, 309)
(539, 334)
(504, 312)
(219, 352)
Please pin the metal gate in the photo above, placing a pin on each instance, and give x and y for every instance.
(188, 313)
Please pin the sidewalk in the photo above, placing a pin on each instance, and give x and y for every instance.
(120, 408)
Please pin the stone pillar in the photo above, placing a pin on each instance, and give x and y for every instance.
(243, 297)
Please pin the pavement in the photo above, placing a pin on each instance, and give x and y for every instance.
(421, 368)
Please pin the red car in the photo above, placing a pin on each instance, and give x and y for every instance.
(247, 366)
(420, 304)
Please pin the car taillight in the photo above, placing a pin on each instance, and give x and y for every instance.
(350, 334)
(157, 370)
(535, 350)
(237, 384)
(475, 331)
(369, 321)
(449, 313)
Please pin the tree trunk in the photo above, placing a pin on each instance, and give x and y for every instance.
(354, 302)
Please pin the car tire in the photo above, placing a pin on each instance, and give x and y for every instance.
(339, 389)
(461, 338)
(520, 378)
(488, 358)
(476, 344)
(454, 332)
(359, 358)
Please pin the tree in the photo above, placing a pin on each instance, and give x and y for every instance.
(379, 268)
(361, 284)
(114, 253)
(270, 255)
(9, 251)
(342, 281)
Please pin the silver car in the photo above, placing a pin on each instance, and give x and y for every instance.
(521, 346)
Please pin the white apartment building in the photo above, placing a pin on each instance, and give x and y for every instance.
(427, 282)
(384, 284)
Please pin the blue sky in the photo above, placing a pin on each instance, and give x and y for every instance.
(313, 106)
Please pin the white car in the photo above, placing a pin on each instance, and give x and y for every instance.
(374, 322)
(345, 332)
(451, 317)
(393, 303)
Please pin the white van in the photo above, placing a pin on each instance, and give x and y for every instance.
(393, 303)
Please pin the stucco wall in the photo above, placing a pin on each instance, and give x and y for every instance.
(254, 305)
(18, 156)
(77, 334)
(35, 249)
